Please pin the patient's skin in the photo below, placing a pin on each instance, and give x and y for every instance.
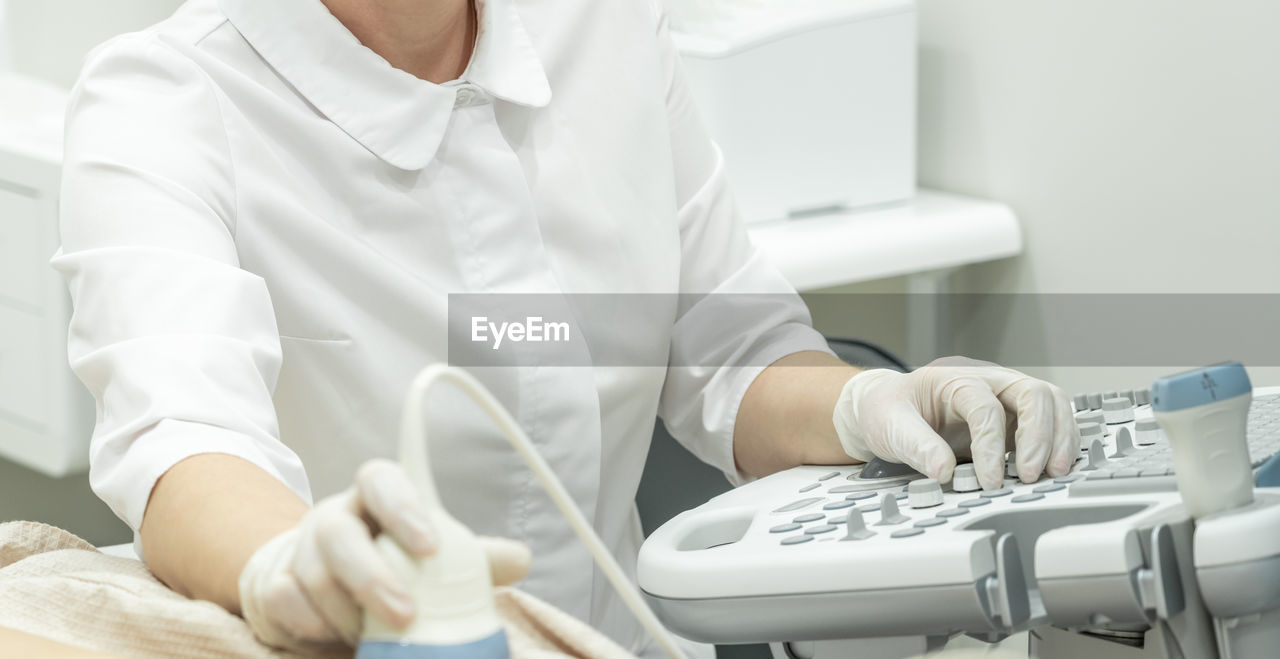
(14, 643)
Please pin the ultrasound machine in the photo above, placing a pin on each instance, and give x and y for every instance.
(1162, 541)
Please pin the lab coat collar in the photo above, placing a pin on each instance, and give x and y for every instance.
(397, 116)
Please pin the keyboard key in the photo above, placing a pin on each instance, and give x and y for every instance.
(797, 505)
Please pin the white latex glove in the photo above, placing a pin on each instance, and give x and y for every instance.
(958, 406)
(306, 587)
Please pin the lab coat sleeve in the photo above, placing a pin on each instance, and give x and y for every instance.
(737, 313)
(177, 344)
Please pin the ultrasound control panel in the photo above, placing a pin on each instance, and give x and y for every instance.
(878, 550)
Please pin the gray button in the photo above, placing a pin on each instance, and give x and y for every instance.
(932, 521)
(797, 505)
(859, 496)
(1129, 395)
(974, 503)
(837, 519)
(838, 505)
(889, 514)
(841, 489)
(810, 487)
(808, 517)
(954, 512)
(796, 539)
(828, 476)
(784, 528)
(906, 533)
(1069, 478)
(1095, 401)
(869, 508)
(1049, 487)
(1025, 498)
(855, 528)
(1142, 396)
(816, 530)
(994, 494)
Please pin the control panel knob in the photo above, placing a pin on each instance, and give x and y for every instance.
(1011, 464)
(1097, 457)
(1081, 402)
(855, 527)
(1203, 414)
(889, 514)
(1092, 416)
(924, 493)
(1142, 396)
(1124, 444)
(965, 479)
(1148, 431)
(1128, 395)
(1089, 433)
(1117, 410)
(1095, 401)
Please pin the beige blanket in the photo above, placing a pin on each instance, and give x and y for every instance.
(57, 586)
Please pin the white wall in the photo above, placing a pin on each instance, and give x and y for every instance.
(51, 37)
(1139, 142)
(48, 39)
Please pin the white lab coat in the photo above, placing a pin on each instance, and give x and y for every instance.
(262, 220)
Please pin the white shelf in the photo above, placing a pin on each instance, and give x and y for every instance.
(933, 231)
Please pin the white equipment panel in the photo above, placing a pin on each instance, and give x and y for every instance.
(821, 553)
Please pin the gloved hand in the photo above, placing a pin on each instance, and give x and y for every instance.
(307, 586)
(958, 406)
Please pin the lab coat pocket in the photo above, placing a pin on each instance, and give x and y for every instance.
(321, 408)
(311, 374)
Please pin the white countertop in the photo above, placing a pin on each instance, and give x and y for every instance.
(933, 231)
